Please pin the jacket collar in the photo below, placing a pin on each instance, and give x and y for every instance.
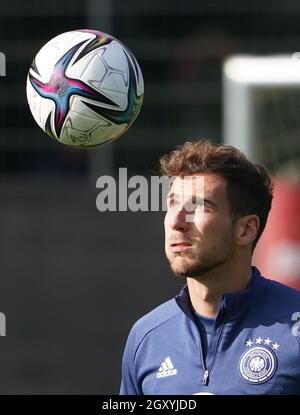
(234, 302)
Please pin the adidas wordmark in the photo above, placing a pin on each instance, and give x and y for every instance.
(166, 369)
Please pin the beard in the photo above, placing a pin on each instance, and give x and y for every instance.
(201, 259)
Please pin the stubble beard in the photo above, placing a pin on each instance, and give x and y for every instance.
(198, 263)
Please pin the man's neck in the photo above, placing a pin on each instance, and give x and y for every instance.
(206, 290)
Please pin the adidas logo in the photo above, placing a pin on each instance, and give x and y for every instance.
(166, 369)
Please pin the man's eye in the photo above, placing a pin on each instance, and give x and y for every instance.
(202, 205)
(198, 203)
(173, 204)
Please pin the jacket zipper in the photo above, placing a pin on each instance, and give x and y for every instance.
(207, 370)
(205, 377)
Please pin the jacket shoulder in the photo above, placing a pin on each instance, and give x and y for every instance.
(152, 320)
(280, 300)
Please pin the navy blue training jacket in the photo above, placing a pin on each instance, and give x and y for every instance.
(254, 346)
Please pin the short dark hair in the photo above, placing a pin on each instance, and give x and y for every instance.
(249, 186)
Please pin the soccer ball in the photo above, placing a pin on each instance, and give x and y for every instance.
(85, 88)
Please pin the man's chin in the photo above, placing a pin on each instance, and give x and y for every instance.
(182, 267)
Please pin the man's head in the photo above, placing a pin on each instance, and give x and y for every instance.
(233, 198)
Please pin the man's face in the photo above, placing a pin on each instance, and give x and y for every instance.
(199, 233)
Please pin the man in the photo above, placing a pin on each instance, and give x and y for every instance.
(230, 330)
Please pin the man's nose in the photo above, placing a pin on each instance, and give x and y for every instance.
(178, 220)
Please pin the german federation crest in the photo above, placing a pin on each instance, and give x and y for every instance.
(257, 365)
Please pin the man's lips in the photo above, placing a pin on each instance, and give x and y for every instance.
(180, 246)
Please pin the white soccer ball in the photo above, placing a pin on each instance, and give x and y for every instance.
(85, 88)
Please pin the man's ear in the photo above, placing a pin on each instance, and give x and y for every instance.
(246, 229)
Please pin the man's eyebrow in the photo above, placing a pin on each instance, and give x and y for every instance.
(171, 195)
